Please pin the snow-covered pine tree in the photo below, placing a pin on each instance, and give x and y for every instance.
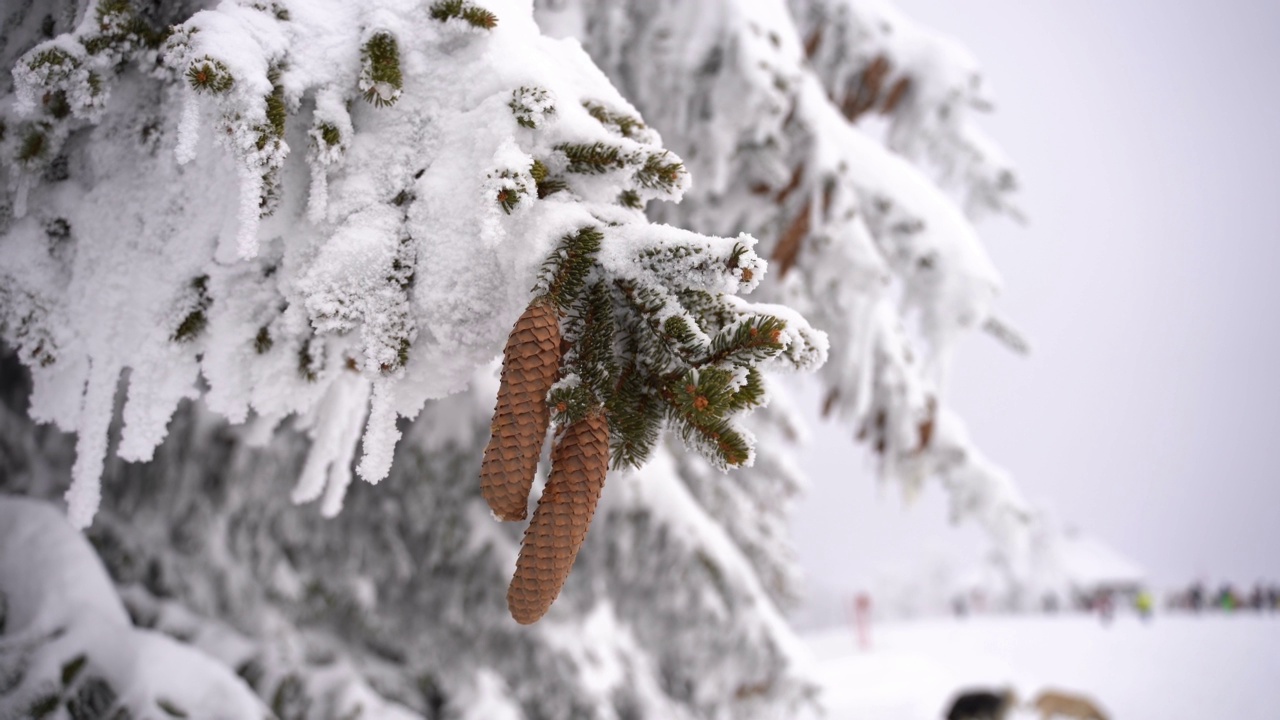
(397, 605)
(262, 311)
(842, 134)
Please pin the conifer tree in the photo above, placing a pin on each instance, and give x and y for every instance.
(295, 234)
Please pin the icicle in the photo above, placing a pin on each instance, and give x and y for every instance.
(341, 415)
(85, 492)
(340, 470)
(380, 435)
(188, 128)
(250, 213)
(21, 186)
(318, 194)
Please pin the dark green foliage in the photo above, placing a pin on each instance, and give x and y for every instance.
(523, 102)
(329, 134)
(381, 58)
(209, 75)
(402, 351)
(546, 185)
(252, 672)
(120, 28)
(276, 111)
(564, 273)
(468, 12)
(625, 125)
(195, 321)
(649, 355)
(262, 342)
(635, 414)
(43, 706)
(589, 331)
(433, 697)
(271, 134)
(170, 708)
(56, 105)
(33, 145)
(659, 171)
(270, 198)
(92, 700)
(277, 10)
(71, 669)
(510, 192)
(3, 129)
(290, 702)
(59, 63)
(508, 199)
(697, 405)
(309, 365)
(751, 341)
(631, 199)
(592, 158)
(58, 231)
(4, 611)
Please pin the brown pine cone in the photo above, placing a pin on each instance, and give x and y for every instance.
(529, 366)
(551, 542)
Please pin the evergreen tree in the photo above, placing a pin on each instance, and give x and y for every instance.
(464, 183)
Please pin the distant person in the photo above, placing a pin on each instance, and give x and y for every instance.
(1227, 600)
(862, 619)
(1105, 606)
(1049, 603)
(958, 607)
(1258, 598)
(1196, 597)
(982, 704)
(1144, 603)
(1059, 703)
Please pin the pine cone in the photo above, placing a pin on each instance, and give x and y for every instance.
(529, 366)
(551, 542)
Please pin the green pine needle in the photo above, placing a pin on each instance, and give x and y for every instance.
(262, 342)
(195, 321)
(381, 57)
(564, 274)
(329, 134)
(209, 75)
(625, 125)
(32, 147)
(593, 158)
(468, 12)
(660, 172)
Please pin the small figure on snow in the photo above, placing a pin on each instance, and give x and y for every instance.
(982, 704)
(1059, 703)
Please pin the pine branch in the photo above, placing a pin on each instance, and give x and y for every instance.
(593, 158)
(380, 78)
(469, 13)
(210, 75)
(565, 272)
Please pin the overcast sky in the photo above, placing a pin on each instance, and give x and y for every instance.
(1148, 280)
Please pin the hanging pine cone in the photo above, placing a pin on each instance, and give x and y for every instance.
(529, 366)
(551, 542)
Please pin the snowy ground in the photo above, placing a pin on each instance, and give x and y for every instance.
(1174, 668)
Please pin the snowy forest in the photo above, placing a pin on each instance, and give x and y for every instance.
(330, 330)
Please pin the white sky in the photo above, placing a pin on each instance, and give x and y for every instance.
(1148, 280)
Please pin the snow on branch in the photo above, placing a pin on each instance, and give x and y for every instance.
(376, 270)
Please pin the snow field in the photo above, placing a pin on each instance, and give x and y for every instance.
(1176, 666)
